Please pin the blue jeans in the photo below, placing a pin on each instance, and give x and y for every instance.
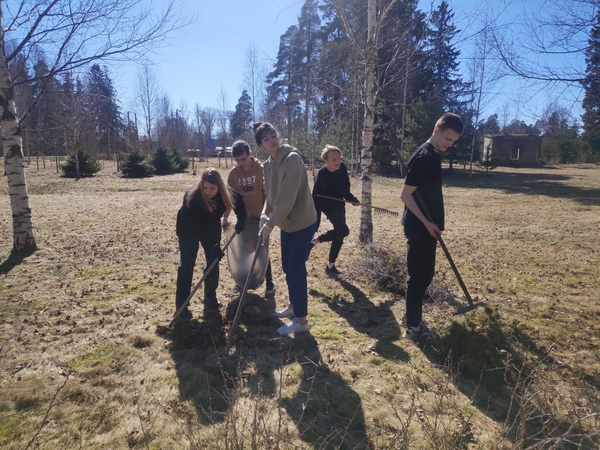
(294, 253)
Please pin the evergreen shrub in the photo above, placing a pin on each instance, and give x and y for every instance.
(135, 165)
(88, 165)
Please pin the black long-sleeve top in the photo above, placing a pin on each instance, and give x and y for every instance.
(332, 184)
(192, 221)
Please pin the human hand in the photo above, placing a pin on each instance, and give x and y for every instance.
(240, 225)
(433, 229)
(264, 233)
(263, 219)
(224, 221)
(217, 252)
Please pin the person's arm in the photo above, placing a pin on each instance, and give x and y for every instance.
(346, 186)
(407, 197)
(239, 209)
(288, 191)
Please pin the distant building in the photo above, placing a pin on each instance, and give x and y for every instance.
(512, 149)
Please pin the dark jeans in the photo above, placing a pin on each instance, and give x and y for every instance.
(188, 249)
(336, 236)
(420, 264)
(294, 252)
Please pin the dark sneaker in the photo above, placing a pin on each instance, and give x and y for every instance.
(332, 271)
(416, 333)
(423, 323)
(270, 288)
(212, 302)
(185, 315)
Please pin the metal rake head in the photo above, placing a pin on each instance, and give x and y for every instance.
(379, 210)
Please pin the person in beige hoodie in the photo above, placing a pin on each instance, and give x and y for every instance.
(290, 207)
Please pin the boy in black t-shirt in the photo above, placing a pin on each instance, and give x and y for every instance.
(425, 175)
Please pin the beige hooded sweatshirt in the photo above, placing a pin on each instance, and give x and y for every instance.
(288, 196)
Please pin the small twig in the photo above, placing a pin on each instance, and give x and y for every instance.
(43, 424)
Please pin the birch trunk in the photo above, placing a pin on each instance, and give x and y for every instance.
(366, 218)
(23, 239)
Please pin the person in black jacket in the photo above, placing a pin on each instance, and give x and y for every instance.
(199, 222)
(332, 181)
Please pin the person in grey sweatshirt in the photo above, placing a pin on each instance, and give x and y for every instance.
(289, 206)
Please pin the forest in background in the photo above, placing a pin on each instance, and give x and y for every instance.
(314, 93)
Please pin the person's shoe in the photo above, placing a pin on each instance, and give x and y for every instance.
(270, 288)
(332, 271)
(185, 315)
(287, 312)
(293, 327)
(423, 323)
(416, 333)
(237, 290)
(212, 302)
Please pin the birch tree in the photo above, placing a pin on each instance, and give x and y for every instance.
(73, 34)
(369, 94)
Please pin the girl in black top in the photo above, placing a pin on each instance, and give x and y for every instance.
(199, 222)
(332, 180)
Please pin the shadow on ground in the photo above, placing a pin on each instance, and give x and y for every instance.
(326, 411)
(526, 182)
(376, 321)
(508, 378)
(10, 263)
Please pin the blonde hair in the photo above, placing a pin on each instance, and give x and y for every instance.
(211, 176)
(328, 149)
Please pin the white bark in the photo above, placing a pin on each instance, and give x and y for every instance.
(366, 218)
(23, 239)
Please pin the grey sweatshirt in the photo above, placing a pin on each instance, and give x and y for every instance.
(288, 195)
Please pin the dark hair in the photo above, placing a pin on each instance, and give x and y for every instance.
(240, 148)
(262, 128)
(452, 121)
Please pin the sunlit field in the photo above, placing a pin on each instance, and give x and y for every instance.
(86, 359)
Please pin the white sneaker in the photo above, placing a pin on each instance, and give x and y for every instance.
(287, 312)
(293, 327)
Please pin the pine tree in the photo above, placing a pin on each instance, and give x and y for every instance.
(135, 165)
(103, 108)
(283, 88)
(591, 85)
(241, 120)
(82, 160)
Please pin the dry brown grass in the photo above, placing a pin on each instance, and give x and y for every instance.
(85, 361)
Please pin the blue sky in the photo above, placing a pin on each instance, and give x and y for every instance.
(211, 51)
(210, 54)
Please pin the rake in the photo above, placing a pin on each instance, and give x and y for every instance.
(238, 312)
(206, 272)
(377, 209)
(461, 309)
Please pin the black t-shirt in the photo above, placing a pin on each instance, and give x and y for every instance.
(424, 172)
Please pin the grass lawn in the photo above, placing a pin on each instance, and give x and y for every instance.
(86, 360)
